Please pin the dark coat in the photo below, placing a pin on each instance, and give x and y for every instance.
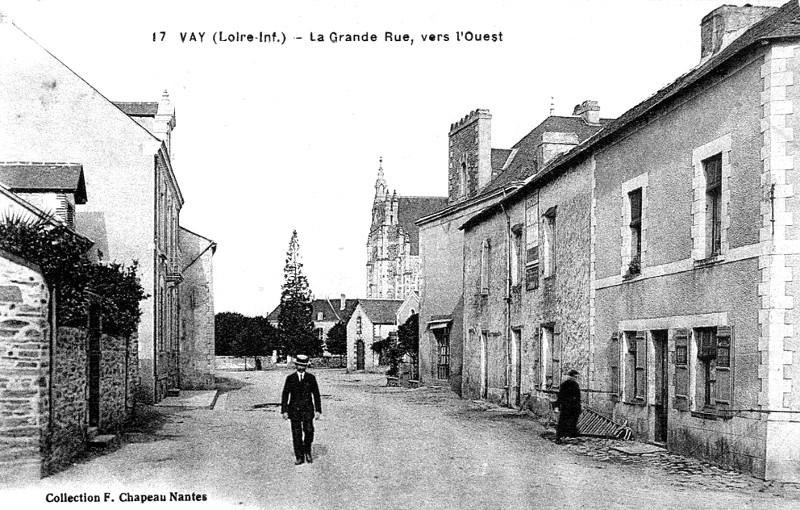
(300, 399)
(569, 401)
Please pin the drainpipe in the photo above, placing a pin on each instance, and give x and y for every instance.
(508, 301)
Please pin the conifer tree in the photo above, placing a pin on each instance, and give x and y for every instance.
(295, 319)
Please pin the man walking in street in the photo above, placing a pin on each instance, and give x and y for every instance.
(299, 402)
(569, 403)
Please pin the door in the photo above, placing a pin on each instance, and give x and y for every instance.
(661, 386)
(484, 365)
(360, 355)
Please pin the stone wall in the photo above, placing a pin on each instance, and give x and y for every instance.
(113, 383)
(197, 325)
(24, 369)
(69, 414)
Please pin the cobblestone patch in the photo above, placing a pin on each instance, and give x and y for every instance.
(684, 472)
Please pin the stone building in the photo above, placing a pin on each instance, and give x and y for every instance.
(371, 321)
(393, 241)
(51, 114)
(196, 311)
(687, 262)
(478, 177)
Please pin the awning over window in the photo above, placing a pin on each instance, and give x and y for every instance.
(440, 323)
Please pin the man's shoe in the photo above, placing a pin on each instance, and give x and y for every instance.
(298, 461)
(309, 458)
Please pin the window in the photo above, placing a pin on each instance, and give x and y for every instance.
(681, 368)
(532, 248)
(549, 225)
(463, 178)
(550, 357)
(358, 325)
(635, 249)
(714, 381)
(484, 276)
(443, 353)
(319, 316)
(516, 253)
(319, 333)
(711, 196)
(713, 172)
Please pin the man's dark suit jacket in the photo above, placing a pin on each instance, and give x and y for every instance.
(297, 397)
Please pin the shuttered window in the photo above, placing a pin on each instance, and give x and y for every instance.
(532, 248)
(613, 364)
(681, 368)
(484, 276)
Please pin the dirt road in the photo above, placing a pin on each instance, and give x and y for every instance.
(375, 448)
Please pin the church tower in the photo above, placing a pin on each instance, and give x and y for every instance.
(393, 241)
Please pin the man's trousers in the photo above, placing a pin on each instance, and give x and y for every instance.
(302, 436)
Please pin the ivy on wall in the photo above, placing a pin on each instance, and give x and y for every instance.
(61, 255)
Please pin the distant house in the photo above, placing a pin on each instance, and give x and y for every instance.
(52, 187)
(326, 313)
(374, 320)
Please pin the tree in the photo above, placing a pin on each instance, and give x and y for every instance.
(226, 326)
(337, 339)
(408, 336)
(241, 336)
(295, 319)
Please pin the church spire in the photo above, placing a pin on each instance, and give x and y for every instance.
(380, 182)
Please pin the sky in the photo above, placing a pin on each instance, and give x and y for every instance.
(273, 137)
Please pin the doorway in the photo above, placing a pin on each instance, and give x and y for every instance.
(516, 367)
(484, 365)
(660, 344)
(360, 355)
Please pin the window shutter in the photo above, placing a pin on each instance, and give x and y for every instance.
(556, 355)
(613, 363)
(724, 374)
(537, 353)
(682, 369)
(641, 365)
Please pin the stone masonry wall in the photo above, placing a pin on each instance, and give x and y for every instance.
(67, 436)
(24, 367)
(112, 383)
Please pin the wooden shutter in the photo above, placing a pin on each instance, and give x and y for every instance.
(724, 373)
(537, 354)
(613, 363)
(681, 369)
(641, 366)
(556, 355)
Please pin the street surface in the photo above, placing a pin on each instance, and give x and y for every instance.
(381, 448)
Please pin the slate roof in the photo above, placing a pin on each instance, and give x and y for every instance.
(381, 311)
(410, 209)
(499, 158)
(782, 23)
(524, 163)
(329, 308)
(32, 177)
(138, 109)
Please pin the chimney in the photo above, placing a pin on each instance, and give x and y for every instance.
(724, 24)
(342, 303)
(165, 121)
(470, 161)
(589, 110)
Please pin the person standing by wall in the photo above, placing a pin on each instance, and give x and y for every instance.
(569, 403)
(299, 402)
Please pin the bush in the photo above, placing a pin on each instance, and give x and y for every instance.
(61, 255)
